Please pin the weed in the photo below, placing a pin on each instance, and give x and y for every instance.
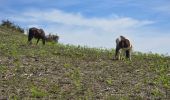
(14, 97)
(54, 88)
(3, 69)
(89, 94)
(156, 92)
(37, 93)
(66, 65)
(109, 81)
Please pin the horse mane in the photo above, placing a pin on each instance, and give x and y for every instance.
(122, 37)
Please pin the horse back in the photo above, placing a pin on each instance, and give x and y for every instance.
(124, 43)
(36, 33)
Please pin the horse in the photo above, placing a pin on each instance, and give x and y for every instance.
(36, 33)
(123, 48)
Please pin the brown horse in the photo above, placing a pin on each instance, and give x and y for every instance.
(36, 33)
(124, 46)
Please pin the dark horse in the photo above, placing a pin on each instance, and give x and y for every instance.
(124, 46)
(36, 33)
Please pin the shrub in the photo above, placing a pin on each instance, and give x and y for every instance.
(11, 25)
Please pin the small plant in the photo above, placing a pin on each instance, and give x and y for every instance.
(3, 69)
(89, 94)
(54, 88)
(38, 93)
(109, 81)
(156, 92)
(66, 65)
(76, 77)
(14, 97)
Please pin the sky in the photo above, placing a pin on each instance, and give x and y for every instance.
(96, 23)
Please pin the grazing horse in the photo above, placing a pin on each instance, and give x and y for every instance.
(124, 47)
(51, 38)
(36, 33)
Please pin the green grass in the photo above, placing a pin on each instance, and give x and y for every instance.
(59, 71)
(37, 93)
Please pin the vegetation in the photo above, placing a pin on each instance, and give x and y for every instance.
(58, 71)
(52, 38)
(11, 25)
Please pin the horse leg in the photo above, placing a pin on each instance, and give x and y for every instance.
(120, 55)
(128, 54)
(43, 41)
(29, 40)
(117, 53)
(38, 40)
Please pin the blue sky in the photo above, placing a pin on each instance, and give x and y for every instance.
(96, 23)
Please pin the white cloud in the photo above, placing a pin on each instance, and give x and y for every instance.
(154, 44)
(111, 24)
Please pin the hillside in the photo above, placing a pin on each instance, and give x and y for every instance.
(62, 72)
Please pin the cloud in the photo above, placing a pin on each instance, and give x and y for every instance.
(75, 22)
(153, 44)
(76, 19)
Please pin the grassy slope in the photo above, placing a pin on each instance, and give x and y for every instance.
(57, 71)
